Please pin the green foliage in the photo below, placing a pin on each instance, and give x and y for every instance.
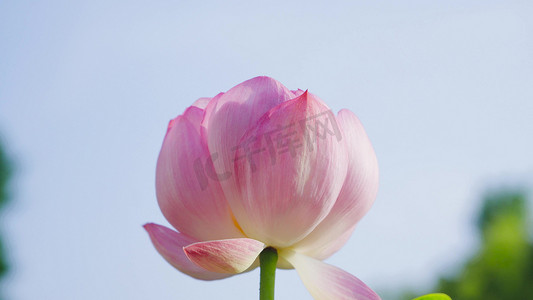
(437, 296)
(5, 171)
(503, 266)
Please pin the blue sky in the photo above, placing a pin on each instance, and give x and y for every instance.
(444, 89)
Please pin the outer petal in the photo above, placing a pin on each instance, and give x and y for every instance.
(225, 256)
(230, 115)
(195, 115)
(211, 106)
(298, 92)
(356, 197)
(170, 243)
(324, 250)
(325, 281)
(202, 102)
(288, 174)
(189, 203)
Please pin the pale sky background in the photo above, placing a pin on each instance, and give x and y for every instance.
(444, 89)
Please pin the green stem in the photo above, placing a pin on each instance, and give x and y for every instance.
(268, 260)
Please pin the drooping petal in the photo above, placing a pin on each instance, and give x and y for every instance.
(325, 281)
(170, 243)
(193, 203)
(289, 170)
(356, 196)
(225, 256)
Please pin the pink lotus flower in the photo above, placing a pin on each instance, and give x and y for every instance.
(262, 166)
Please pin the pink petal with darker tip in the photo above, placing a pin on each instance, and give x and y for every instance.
(293, 177)
(225, 256)
(170, 243)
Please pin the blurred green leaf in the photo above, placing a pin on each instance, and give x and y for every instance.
(437, 296)
(5, 172)
(502, 268)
